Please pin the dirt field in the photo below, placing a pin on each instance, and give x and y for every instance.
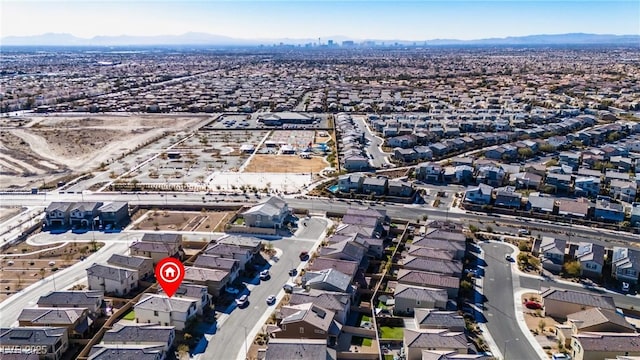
(9, 212)
(285, 164)
(184, 221)
(18, 272)
(547, 336)
(46, 146)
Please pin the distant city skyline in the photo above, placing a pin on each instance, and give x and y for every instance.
(355, 19)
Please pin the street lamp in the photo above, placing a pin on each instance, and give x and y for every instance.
(504, 348)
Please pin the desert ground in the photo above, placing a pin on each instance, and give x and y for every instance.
(45, 147)
(183, 220)
(286, 164)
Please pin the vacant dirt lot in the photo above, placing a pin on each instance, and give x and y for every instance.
(285, 164)
(24, 264)
(46, 146)
(183, 221)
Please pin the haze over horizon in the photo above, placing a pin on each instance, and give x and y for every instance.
(355, 19)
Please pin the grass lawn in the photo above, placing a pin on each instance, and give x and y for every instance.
(239, 221)
(366, 318)
(130, 315)
(367, 342)
(388, 357)
(387, 332)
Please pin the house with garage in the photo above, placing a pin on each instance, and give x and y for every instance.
(272, 213)
(114, 213)
(591, 258)
(479, 195)
(57, 215)
(165, 311)
(54, 341)
(84, 214)
(91, 300)
(558, 303)
(111, 279)
(410, 297)
(625, 264)
(415, 342)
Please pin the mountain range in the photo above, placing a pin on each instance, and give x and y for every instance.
(195, 38)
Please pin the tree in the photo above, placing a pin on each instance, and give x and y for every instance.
(541, 325)
(525, 152)
(572, 268)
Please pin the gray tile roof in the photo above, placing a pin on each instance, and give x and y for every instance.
(329, 300)
(609, 342)
(71, 298)
(435, 340)
(435, 319)
(113, 206)
(46, 316)
(163, 303)
(596, 316)
(332, 277)
(140, 333)
(579, 297)
(31, 335)
(299, 349)
(272, 206)
(162, 238)
(129, 262)
(420, 293)
(427, 279)
(125, 352)
(344, 266)
(309, 313)
(433, 265)
(110, 272)
(215, 262)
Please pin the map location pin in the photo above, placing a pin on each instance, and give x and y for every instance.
(169, 273)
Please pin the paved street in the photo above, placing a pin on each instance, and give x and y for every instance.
(499, 307)
(229, 340)
(373, 147)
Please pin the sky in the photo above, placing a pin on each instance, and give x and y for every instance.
(308, 19)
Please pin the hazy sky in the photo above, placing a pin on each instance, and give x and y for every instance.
(359, 19)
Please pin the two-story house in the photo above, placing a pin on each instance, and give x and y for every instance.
(112, 280)
(591, 258)
(162, 310)
(552, 252)
(54, 340)
(83, 214)
(625, 264)
(271, 213)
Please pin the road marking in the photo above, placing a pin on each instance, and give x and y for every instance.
(492, 279)
(489, 314)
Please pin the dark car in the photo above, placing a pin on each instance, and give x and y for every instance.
(293, 272)
(304, 256)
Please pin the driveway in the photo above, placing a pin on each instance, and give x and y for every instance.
(499, 307)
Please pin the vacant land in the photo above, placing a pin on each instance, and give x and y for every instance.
(285, 164)
(48, 146)
(184, 220)
(9, 212)
(23, 264)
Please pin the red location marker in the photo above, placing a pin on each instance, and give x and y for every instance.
(169, 273)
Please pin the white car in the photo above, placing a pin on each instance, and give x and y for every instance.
(242, 300)
(271, 300)
(264, 274)
(625, 286)
(560, 356)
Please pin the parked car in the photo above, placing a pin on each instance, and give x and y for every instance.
(625, 286)
(508, 258)
(271, 300)
(533, 305)
(304, 255)
(264, 274)
(293, 272)
(288, 288)
(242, 301)
(524, 232)
(560, 356)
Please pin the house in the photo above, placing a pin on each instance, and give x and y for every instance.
(91, 300)
(625, 264)
(552, 251)
(307, 321)
(328, 280)
(83, 214)
(350, 182)
(507, 197)
(114, 213)
(54, 339)
(232, 266)
(155, 250)
(445, 267)
(597, 346)
(272, 213)
(140, 334)
(228, 251)
(526, 180)
(599, 320)
(408, 298)
(463, 174)
(573, 208)
(199, 293)
(587, 186)
(355, 163)
(560, 182)
(558, 303)
(338, 302)
(57, 215)
(405, 155)
(570, 158)
(429, 172)
(215, 280)
(608, 211)
(349, 268)
(400, 188)
(112, 280)
(119, 352)
(490, 175)
(541, 204)
(479, 195)
(299, 349)
(591, 258)
(435, 340)
(76, 320)
(635, 214)
(165, 311)
(458, 248)
(375, 185)
(142, 265)
(429, 279)
(623, 190)
(439, 320)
